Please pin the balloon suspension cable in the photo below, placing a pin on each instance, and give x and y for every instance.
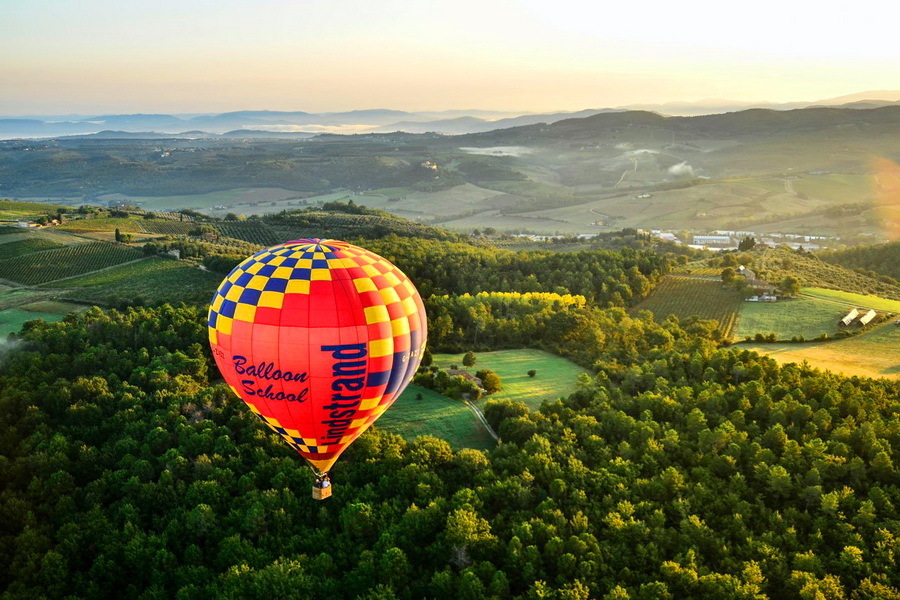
(319, 474)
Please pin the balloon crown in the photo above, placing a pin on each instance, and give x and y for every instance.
(329, 244)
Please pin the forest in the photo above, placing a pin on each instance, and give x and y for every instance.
(879, 260)
(681, 468)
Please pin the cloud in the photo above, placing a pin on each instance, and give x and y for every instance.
(682, 168)
(641, 151)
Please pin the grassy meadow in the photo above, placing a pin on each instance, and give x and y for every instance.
(12, 319)
(875, 353)
(555, 377)
(436, 415)
(807, 317)
(851, 300)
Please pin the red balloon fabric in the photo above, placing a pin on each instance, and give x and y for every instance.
(318, 337)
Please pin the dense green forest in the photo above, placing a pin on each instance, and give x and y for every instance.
(680, 469)
(684, 471)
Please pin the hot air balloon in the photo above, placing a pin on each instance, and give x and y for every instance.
(318, 337)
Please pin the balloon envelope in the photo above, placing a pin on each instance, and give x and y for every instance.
(318, 337)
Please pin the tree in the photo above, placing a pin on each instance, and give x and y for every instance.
(427, 358)
(790, 285)
(490, 381)
(532, 372)
(728, 275)
(469, 359)
(747, 243)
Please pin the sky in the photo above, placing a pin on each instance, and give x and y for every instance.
(60, 57)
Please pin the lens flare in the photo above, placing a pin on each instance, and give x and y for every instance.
(887, 196)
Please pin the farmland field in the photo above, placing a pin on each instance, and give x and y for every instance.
(701, 271)
(875, 353)
(250, 231)
(407, 203)
(807, 317)
(688, 296)
(60, 238)
(166, 227)
(151, 279)
(10, 209)
(556, 376)
(13, 297)
(109, 224)
(27, 246)
(435, 415)
(231, 199)
(851, 300)
(12, 319)
(50, 265)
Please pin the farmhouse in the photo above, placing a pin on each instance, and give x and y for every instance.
(764, 289)
(848, 318)
(867, 318)
(464, 375)
(747, 273)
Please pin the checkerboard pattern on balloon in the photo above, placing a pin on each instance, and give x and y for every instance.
(273, 314)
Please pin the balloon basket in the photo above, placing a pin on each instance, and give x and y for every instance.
(320, 493)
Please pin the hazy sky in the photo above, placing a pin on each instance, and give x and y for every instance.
(182, 56)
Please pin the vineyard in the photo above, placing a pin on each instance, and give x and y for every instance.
(11, 209)
(109, 224)
(163, 227)
(686, 297)
(150, 280)
(50, 265)
(255, 232)
(27, 246)
(700, 269)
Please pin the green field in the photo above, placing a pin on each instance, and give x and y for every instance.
(10, 209)
(12, 319)
(556, 376)
(108, 224)
(690, 296)
(807, 317)
(875, 353)
(151, 279)
(852, 300)
(50, 265)
(20, 247)
(436, 415)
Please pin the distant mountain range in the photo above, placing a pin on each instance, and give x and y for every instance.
(267, 123)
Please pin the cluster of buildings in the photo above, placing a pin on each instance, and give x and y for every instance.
(729, 240)
(854, 316)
